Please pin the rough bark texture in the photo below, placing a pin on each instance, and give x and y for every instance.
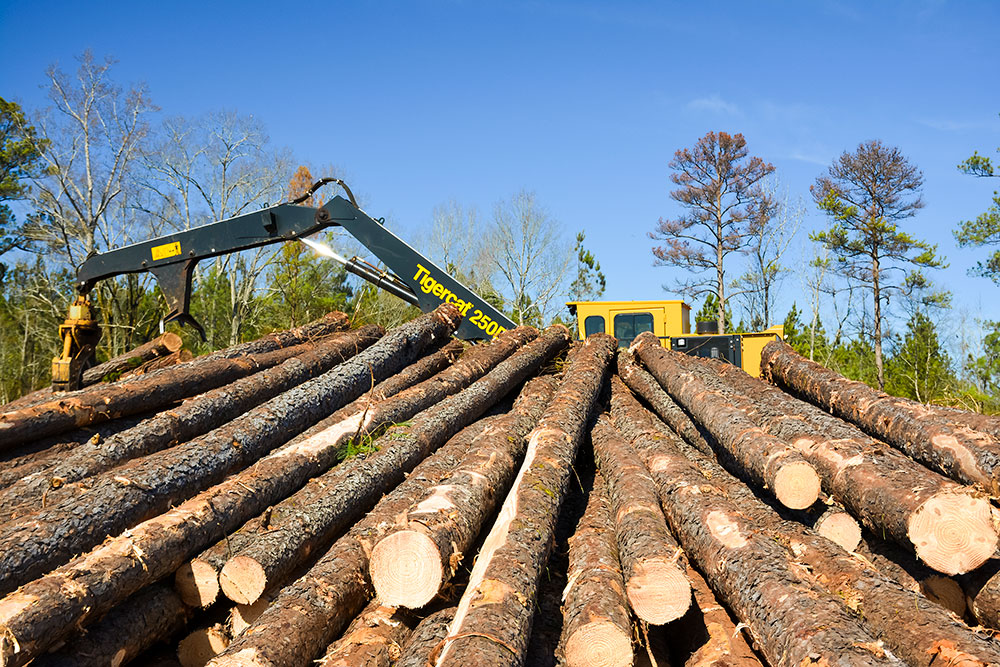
(493, 622)
(198, 580)
(160, 346)
(597, 627)
(421, 649)
(448, 518)
(105, 402)
(652, 561)
(194, 417)
(153, 614)
(305, 524)
(178, 357)
(793, 621)
(939, 441)
(914, 629)
(985, 602)
(374, 639)
(41, 614)
(760, 457)
(645, 385)
(307, 615)
(949, 526)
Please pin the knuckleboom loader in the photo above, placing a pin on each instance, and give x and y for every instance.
(171, 259)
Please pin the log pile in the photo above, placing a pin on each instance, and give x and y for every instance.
(363, 497)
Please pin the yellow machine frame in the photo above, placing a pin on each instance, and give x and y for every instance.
(666, 319)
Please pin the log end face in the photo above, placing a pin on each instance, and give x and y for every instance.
(953, 532)
(658, 591)
(201, 646)
(796, 485)
(171, 341)
(243, 580)
(599, 644)
(946, 592)
(406, 569)
(197, 582)
(842, 529)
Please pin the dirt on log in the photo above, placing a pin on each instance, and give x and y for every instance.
(948, 525)
(108, 401)
(374, 639)
(759, 456)
(597, 626)
(422, 552)
(305, 524)
(794, 621)
(193, 418)
(161, 346)
(40, 614)
(938, 440)
(493, 622)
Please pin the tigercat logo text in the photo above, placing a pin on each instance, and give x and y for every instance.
(429, 285)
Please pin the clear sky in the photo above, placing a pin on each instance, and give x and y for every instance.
(583, 102)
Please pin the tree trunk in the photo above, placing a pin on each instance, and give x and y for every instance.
(493, 621)
(161, 346)
(759, 456)
(949, 526)
(985, 602)
(193, 418)
(794, 621)
(178, 357)
(152, 615)
(425, 547)
(879, 371)
(597, 626)
(646, 386)
(374, 639)
(109, 401)
(426, 640)
(942, 443)
(652, 561)
(40, 614)
(313, 517)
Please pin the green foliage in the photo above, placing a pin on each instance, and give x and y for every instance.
(710, 311)
(304, 286)
(985, 369)
(920, 368)
(985, 229)
(590, 282)
(358, 446)
(19, 161)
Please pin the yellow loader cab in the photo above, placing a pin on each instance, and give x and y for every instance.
(670, 321)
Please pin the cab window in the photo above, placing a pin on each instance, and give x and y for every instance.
(593, 324)
(630, 325)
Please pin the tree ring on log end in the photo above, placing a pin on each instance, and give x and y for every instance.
(797, 485)
(658, 591)
(243, 580)
(953, 532)
(406, 569)
(840, 528)
(599, 644)
(197, 582)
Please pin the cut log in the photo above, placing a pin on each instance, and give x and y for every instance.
(826, 517)
(201, 645)
(242, 616)
(794, 620)
(597, 627)
(940, 442)
(313, 517)
(152, 615)
(652, 562)
(193, 418)
(985, 601)
(645, 385)
(104, 402)
(178, 357)
(421, 649)
(910, 626)
(374, 639)
(949, 526)
(161, 346)
(198, 580)
(759, 456)
(900, 564)
(492, 625)
(40, 614)
(415, 559)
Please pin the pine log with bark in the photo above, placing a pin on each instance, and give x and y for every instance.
(197, 581)
(108, 401)
(422, 552)
(178, 357)
(493, 622)
(308, 521)
(913, 628)
(942, 443)
(948, 525)
(422, 647)
(652, 562)
(794, 621)
(40, 614)
(161, 346)
(760, 457)
(374, 639)
(984, 598)
(597, 626)
(193, 418)
(152, 615)
(900, 564)
(201, 645)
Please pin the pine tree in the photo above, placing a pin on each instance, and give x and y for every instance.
(920, 368)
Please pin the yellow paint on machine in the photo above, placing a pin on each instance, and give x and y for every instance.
(167, 250)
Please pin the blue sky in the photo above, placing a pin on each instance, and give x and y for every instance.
(583, 102)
